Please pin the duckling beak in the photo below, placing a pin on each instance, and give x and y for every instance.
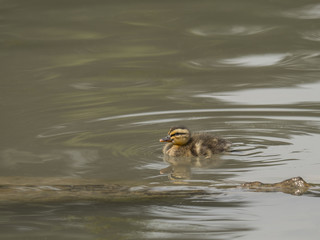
(166, 139)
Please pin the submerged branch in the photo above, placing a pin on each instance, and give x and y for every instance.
(49, 189)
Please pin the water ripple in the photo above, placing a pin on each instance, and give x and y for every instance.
(311, 35)
(306, 12)
(191, 111)
(190, 222)
(296, 61)
(167, 120)
(235, 30)
(264, 139)
(267, 96)
(261, 60)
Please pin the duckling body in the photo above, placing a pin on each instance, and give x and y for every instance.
(182, 144)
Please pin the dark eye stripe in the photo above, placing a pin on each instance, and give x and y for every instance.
(176, 134)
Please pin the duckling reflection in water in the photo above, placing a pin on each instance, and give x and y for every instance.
(185, 150)
(182, 144)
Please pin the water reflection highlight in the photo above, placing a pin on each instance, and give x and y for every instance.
(270, 96)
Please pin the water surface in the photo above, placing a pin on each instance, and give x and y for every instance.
(88, 88)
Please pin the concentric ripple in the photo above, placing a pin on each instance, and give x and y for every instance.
(265, 139)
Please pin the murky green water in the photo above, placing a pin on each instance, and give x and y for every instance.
(89, 87)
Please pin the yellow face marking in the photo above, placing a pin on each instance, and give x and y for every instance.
(179, 136)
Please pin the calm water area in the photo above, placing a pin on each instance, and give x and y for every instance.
(88, 88)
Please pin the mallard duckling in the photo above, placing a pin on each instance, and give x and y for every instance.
(182, 144)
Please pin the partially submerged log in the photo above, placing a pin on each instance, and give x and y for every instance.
(53, 189)
(19, 189)
(295, 186)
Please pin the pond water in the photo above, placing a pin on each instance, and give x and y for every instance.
(89, 87)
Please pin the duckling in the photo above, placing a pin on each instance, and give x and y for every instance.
(182, 144)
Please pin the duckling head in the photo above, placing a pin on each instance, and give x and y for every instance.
(177, 136)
